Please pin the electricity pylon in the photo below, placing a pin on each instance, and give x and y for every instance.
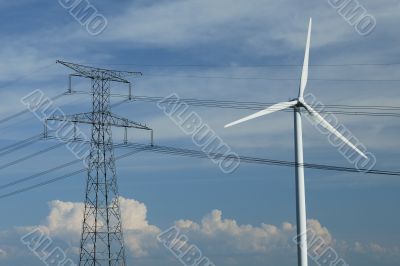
(102, 240)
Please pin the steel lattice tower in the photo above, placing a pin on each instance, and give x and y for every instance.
(102, 240)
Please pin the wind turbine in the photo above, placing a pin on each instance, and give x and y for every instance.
(297, 104)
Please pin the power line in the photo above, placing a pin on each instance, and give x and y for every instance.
(258, 66)
(27, 75)
(247, 159)
(268, 78)
(30, 156)
(19, 144)
(18, 147)
(37, 175)
(31, 140)
(244, 65)
(52, 180)
(248, 104)
(348, 110)
(22, 112)
(330, 109)
(42, 183)
(186, 153)
(27, 110)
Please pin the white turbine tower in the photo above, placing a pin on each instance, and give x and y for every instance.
(297, 104)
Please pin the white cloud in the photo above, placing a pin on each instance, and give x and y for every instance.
(65, 218)
(259, 27)
(17, 60)
(262, 27)
(65, 222)
(3, 253)
(320, 231)
(181, 23)
(140, 236)
(235, 238)
(178, 22)
(376, 249)
(214, 234)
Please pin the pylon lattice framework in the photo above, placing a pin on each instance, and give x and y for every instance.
(102, 240)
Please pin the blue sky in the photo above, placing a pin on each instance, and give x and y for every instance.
(244, 218)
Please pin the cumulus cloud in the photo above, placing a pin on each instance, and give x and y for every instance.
(234, 237)
(214, 232)
(140, 236)
(65, 222)
(65, 218)
(376, 249)
(319, 230)
(215, 235)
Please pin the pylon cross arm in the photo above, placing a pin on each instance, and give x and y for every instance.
(92, 118)
(124, 122)
(99, 73)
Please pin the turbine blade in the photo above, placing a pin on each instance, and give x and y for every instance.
(321, 121)
(269, 110)
(304, 74)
